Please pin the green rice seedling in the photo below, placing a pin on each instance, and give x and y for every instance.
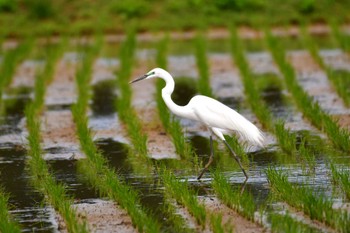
(307, 155)
(286, 139)
(104, 179)
(178, 223)
(286, 223)
(310, 108)
(243, 203)
(54, 193)
(342, 38)
(7, 224)
(253, 97)
(339, 79)
(202, 66)
(95, 167)
(316, 206)
(125, 111)
(342, 179)
(170, 123)
(10, 61)
(216, 224)
(183, 195)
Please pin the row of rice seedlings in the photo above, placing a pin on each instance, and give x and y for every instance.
(95, 168)
(54, 192)
(316, 206)
(10, 61)
(339, 78)
(7, 224)
(287, 224)
(310, 108)
(286, 138)
(341, 178)
(204, 88)
(242, 202)
(342, 38)
(180, 191)
(203, 66)
(170, 123)
(126, 113)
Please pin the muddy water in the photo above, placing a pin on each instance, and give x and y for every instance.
(28, 207)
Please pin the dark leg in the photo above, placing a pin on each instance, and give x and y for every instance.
(210, 159)
(236, 158)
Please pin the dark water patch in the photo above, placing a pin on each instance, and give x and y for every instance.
(270, 89)
(59, 150)
(15, 103)
(66, 172)
(104, 98)
(200, 145)
(116, 153)
(27, 203)
(232, 102)
(59, 107)
(264, 157)
(185, 89)
(151, 194)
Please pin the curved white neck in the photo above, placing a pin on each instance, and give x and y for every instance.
(182, 111)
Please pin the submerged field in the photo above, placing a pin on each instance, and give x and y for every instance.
(81, 150)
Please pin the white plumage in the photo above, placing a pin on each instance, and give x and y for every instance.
(218, 118)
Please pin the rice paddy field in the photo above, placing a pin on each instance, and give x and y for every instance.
(82, 150)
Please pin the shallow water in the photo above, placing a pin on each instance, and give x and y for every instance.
(28, 206)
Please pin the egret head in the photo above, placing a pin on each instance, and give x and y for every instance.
(156, 72)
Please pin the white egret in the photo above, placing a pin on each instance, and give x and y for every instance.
(217, 117)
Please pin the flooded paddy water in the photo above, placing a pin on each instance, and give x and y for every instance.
(63, 154)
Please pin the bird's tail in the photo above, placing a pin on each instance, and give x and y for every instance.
(252, 134)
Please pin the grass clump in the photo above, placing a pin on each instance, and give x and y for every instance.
(317, 206)
(340, 79)
(183, 195)
(6, 222)
(54, 192)
(311, 109)
(286, 223)
(342, 179)
(125, 111)
(170, 123)
(242, 202)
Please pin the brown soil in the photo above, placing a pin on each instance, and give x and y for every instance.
(315, 82)
(231, 217)
(105, 216)
(58, 127)
(25, 74)
(62, 90)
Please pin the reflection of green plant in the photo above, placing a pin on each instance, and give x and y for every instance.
(130, 8)
(8, 5)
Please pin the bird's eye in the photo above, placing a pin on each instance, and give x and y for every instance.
(151, 73)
